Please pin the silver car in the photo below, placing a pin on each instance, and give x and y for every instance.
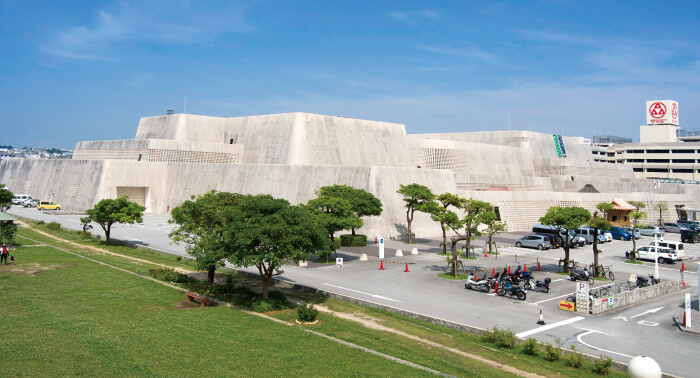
(652, 230)
(30, 202)
(534, 241)
(674, 227)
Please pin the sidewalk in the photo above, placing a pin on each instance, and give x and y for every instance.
(694, 315)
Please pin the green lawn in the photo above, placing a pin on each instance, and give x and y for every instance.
(66, 316)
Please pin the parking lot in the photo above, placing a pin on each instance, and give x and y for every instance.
(620, 334)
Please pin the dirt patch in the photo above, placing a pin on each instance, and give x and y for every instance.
(35, 269)
(183, 305)
(374, 323)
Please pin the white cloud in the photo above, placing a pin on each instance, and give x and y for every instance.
(413, 16)
(160, 22)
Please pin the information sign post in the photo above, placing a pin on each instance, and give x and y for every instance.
(582, 297)
(381, 248)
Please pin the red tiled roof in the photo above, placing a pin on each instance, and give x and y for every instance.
(620, 204)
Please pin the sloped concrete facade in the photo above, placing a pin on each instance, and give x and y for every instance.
(292, 155)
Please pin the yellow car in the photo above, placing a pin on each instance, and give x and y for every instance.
(48, 205)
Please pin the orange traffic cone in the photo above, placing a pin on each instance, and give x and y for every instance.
(406, 271)
(495, 286)
(381, 267)
(525, 266)
(539, 268)
(486, 253)
(683, 266)
(683, 318)
(375, 240)
(494, 272)
(508, 269)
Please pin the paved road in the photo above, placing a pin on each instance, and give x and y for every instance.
(642, 329)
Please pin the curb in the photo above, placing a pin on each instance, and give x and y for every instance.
(679, 324)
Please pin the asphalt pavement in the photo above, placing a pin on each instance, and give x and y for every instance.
(646, 328)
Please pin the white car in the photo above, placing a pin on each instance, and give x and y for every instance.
(665, 255)
(608, 236)
(652, 230)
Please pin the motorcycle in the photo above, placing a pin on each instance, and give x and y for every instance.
(511, 289)
(580, 275)
(515, 276)
(494, 279)
(542, 286)
(644, 282)
(481, 285)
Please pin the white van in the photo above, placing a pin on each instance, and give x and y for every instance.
(674, 245)
(586, 233)
(20, 198)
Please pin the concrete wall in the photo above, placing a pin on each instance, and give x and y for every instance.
(631, 297)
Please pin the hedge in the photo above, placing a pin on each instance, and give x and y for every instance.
(353, 241)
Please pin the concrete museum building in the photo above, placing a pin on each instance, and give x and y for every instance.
(291, 155)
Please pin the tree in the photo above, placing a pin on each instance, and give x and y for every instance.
(474, 215)
(636, 216)
(439, 212)
(120, 210)
(85, 222)
(493, 227)
(335, 214)
(416, 197)
(605, 207)
(202, 224)
(6, 197)
(597, 224)
(362, 202)
(267, 232)
(661, 207)
(564, 219)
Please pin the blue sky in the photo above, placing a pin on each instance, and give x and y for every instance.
(88, 70)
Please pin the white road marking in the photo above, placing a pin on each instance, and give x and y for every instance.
(647, 323)
(550, 326)
(361, 292)
(70, 220)
(561, 279)
(646, 312)
(600, 349)
(125, 237)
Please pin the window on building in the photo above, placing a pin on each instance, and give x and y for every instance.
(683, 160)
(635, 151)
(678, 170)
(635, 160)
(638, 169)
(658, 161)
(611, 154)
(657, 151)
(683, 151)
(660, 170)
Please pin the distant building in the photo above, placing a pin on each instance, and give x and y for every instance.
(610, 139)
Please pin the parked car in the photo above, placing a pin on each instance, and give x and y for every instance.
(19, 198)
(608, 236)
(602, 239)
(651, 230)
(674, 245)
(688, 236)
(31, 202)
(578, 241)
(534, 241)
(665, 255)
(674, 227)
(48, 205)
(586, 233)
(554, 240)
(689, 222)
(619, 233)
(634, 232)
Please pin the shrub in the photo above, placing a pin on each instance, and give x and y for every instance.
(602, 365)
(551, 353)
(262, 305)
(502, 338)
(170, 275)
(40, 222)
(531, 347)
(574, 358)
(307, 313)
(178, 258)
(353, 241)
(55, 226)
(336, 244)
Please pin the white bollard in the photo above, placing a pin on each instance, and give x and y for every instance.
(363, 257)
(399, 253)
(414, 251)
(643, 367)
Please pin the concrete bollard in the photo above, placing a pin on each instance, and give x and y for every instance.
(363, 257)
(414, 251)
(399, 253)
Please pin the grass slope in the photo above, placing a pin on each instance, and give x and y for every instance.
(66, 316)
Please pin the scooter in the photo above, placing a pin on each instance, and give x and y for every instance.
(580, 275)
(481, 285)
(542, 286)
(493, 280)
(512, 290)
(515, 276)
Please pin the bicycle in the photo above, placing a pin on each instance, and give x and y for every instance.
(625, 287)
(605, 270)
